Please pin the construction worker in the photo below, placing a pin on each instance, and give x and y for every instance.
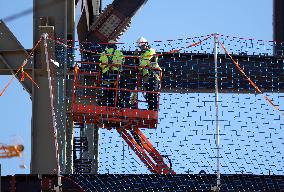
(111, 61)
(129, 81)
(150, 75)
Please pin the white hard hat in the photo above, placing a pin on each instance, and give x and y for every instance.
(141, 41)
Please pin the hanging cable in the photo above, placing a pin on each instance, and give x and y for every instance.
(250, 81)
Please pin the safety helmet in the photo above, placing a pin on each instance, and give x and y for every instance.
(141, 41)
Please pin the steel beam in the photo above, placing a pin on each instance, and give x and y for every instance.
(12, 56)
(66, 129)
(90, 13)
(59, 14)
(91, 133)
(188, 72)
(278, 25)
(146, 182)
(43, 156)
(114, 20)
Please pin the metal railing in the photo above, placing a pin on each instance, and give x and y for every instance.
(118, 84)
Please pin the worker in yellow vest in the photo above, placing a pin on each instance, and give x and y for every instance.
(111, 61)
(150, 75)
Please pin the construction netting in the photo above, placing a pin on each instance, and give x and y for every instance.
(250, 85)
(250, 105)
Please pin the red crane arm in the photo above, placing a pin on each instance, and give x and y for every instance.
(143, 148)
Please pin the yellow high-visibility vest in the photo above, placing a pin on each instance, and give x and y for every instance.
(110, 57)
(145, 61)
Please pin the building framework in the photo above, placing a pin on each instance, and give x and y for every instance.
(57, 19)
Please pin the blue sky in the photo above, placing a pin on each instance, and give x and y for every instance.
(158, 20)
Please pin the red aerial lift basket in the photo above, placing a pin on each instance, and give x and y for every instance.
(89, 90)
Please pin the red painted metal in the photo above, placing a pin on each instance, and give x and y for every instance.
(140, 152)
(124, 120)
(145, 151)
(110, 116)
(156, 156)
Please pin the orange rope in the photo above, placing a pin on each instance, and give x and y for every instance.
(191, 45)
(31, 79)
(251, 82)
(7, 85)
(96, 52)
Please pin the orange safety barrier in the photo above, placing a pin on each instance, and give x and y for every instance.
(105, 115)
(105, 43)
(129, 56)
(191, 45)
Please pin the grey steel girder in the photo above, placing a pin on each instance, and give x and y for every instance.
(12, 56)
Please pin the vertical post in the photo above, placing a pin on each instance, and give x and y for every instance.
(69, 146)
(217, 112)
(95, 167)
(91, 132)
(43, 157)
(48, 13)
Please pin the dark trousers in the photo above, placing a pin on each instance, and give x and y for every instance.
(107, 97)
(150, 83)
(129, 82)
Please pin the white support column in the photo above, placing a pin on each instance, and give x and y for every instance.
(217, 136)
